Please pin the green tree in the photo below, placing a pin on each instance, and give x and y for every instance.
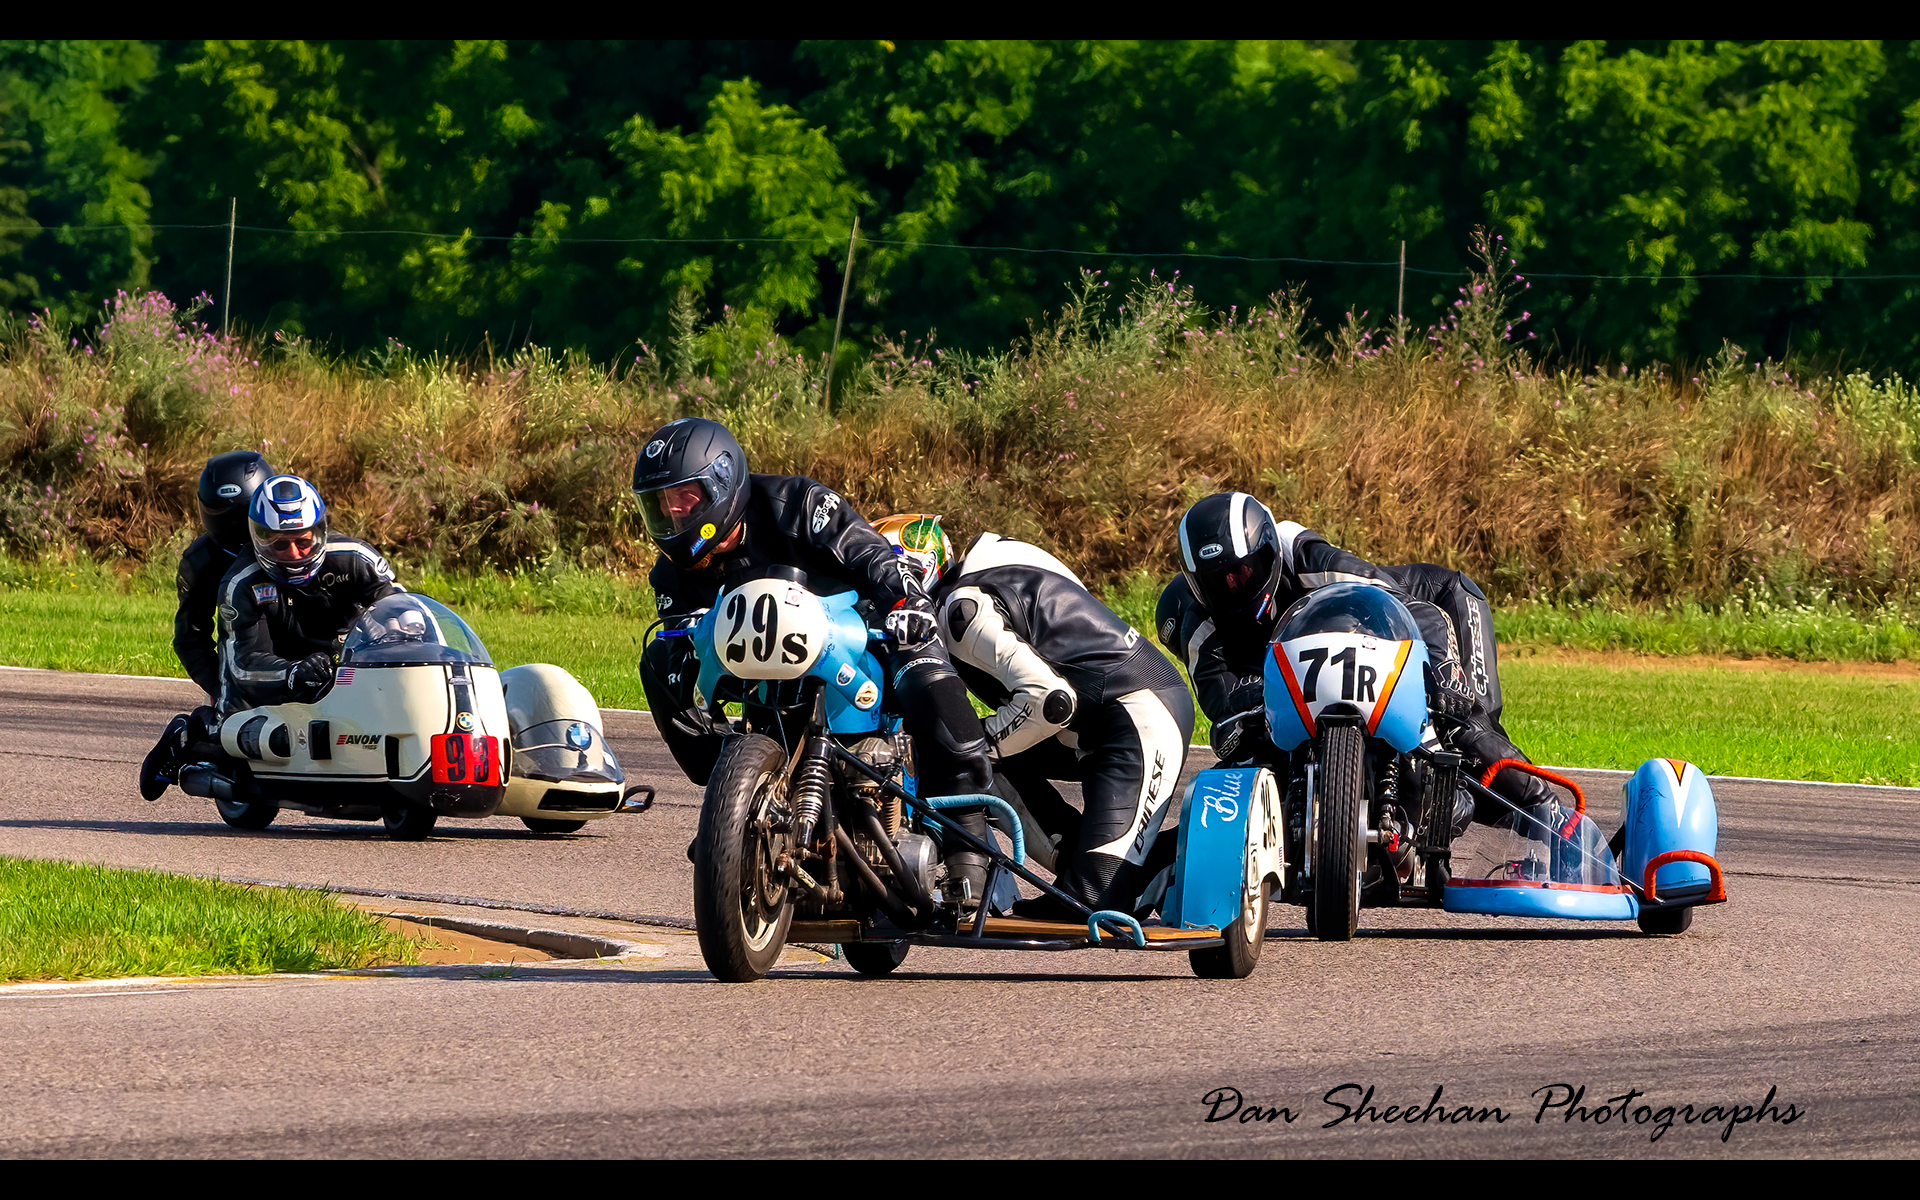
(63, 163)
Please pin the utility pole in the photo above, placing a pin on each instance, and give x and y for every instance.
(226, 302)
(846, 279)
(1400, 303)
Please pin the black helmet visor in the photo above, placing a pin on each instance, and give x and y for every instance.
(677, 508)
(1230, 587)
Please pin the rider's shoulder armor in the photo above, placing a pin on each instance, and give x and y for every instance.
(1047, 606)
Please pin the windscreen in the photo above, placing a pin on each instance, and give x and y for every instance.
(565, 751)
(1349, 608)
(410, 629)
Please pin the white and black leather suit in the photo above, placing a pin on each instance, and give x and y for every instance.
(1225, 658)
(798, 522)
(1078, 695)
(267, 628)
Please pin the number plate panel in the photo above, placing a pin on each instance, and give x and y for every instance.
(466, 758)
(769, 629)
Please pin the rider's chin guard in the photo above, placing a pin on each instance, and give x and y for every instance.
(1671, 830)
(1546, 861)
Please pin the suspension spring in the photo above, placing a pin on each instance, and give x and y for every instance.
(811, 780)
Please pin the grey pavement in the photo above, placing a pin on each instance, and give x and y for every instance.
(1803, 984)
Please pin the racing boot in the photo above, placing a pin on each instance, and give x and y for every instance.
(162, 765)
(967, 869)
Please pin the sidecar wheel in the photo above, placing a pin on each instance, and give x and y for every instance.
(741, 911)
(543, 825)
(875, 958)
(1246, 937)
(247, 814)
(408, 823)
(1665, 922)
(1341, 854)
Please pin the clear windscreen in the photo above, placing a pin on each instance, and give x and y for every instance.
(1348, 608)
(408, 629)
(1548, 843)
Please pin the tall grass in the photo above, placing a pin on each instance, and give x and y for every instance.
(1732, 481)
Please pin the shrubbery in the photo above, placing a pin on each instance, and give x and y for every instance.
(1729, 481)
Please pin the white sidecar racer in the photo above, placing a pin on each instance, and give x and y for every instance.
(418, 725)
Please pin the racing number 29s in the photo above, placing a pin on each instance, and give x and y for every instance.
(464, 758)
(766, 630)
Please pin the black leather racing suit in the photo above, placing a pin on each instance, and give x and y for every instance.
(797, 522)
(1080, 695)
(1225, 658)
(267, 627)
(202, 567)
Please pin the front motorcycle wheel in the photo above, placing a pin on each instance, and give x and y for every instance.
(1340, 844)
(741, 908)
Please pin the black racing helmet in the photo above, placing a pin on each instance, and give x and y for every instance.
(1230, 553)
(226, 485)
(691, 478)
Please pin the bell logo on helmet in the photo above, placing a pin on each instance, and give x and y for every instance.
(1210, 550)
(655, 447)
(227, 491)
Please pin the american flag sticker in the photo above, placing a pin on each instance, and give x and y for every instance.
(343, 677)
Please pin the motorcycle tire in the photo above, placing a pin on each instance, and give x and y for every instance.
(1665, 922)
(247, 814)
(543, 825)
(1246, 937)
(1340, 850)
(409, 823)
(874, 958)
(741, 927)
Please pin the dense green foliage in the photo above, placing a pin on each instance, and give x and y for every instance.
(545, 168)
(63, 920)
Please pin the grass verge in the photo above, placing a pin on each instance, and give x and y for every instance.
(63, 920)
(1774, 722)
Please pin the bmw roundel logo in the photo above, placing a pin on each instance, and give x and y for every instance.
(1210, 550)
(464, 722)
(579, 736)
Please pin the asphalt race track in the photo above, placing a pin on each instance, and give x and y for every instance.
(1803, 986)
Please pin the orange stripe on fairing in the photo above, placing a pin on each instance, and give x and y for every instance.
(1679, 766)
(1293, 686)
(1386, 692)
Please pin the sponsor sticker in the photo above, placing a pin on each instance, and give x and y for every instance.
(366, 741)
(867, 696)
(227, 491)
(1168, 628)
(463, 722)
(663, 603)
(708, 530)
(265, 593)
(654, 448)
(845, 676)
(829, 504)
(1210, 550)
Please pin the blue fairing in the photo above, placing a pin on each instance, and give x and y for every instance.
(1518, 901)
(845, 665)
(1670, 807)
(1211, 861)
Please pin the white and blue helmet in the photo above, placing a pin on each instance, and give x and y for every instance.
(288, 523)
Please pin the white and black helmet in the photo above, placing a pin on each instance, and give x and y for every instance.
(1231, 554)
(288, 523)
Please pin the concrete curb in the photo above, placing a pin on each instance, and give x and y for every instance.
(558, 942)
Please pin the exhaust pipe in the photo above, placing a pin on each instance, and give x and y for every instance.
(205, 780)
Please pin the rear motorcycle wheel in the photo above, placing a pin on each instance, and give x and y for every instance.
(741, 909)
(409, 822)
(1340, 844)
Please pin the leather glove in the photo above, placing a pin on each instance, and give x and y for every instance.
(1240, 736)
(912, 622)
(1447, 693)
(311, 676)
